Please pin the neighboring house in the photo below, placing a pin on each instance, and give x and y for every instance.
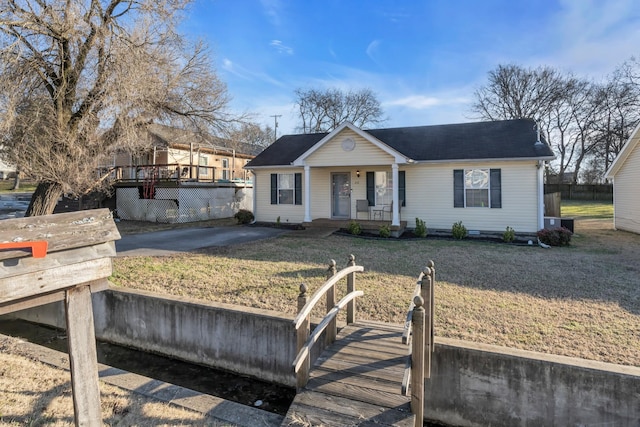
(6, 170)
(489, 175)
(625, 174)
(184, 177)
(183, 155)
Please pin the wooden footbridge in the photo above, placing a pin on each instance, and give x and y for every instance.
(366, 372)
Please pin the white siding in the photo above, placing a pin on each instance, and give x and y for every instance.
(265, 211)
(430, 198)
(626, 195)
(429, 194)
(364, 153)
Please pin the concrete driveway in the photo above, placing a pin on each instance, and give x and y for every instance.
(168, 242)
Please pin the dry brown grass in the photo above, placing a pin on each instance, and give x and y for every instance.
(35, 394)
(582, 300)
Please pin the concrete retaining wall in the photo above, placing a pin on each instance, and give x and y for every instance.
(471, 385)
(253, 342)
(484, 385)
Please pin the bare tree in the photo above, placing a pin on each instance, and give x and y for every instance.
(323, 111)
(81, 79)
(619, 113)
(514, 92)
(562, 105)
(250, 138)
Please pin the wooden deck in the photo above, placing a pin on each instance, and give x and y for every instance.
(356, 381)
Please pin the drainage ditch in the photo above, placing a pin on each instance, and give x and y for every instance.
(222, 384)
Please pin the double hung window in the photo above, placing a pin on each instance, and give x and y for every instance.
(286, 188)
(477, 188)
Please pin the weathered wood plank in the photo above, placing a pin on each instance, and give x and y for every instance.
(360, 411)
(83, 357)
(388, 374)
(62, 231)
(365, 381)
(53, 279)
(30, 302)
(303, 415)
(368, 353)
(375, 325)
(360, 394)
(22, 266)
(387, 349)
(362, 358)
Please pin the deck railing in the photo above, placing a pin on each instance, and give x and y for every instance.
(305, 340)
(418, 332)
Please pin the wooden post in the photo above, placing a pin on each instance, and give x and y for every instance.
(83, 357)
(426, 294)
(432, 267)
(418, 361)
(302, 337)
(351, 286)
(332, 328)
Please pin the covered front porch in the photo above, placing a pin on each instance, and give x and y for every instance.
(368, 226)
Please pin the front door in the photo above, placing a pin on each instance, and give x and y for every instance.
(341, 195)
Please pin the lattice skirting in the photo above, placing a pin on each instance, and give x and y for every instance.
(188, 204)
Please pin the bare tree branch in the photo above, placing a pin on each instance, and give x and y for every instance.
(323, 111)
(81, 79)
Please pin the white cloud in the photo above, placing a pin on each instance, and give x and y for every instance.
(272, 10)
(593, 37)
(372, 49)
(421, 102)
(281, 48)
(247, 74)
(416, 102)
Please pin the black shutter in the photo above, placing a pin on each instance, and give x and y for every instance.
(274, 188)
(371, 188)
(495, 185)
(298, 188)
(402, 191)
(458, 188)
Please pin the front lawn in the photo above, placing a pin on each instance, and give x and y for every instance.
(586, 209)
(582, 300)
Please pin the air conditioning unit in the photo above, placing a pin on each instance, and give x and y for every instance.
(551, 222)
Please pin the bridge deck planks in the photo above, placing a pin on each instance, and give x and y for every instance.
(356, 381)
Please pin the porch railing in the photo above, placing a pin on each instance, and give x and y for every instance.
(419, 333)
(305, 340)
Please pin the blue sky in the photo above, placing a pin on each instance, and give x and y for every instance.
(423, 59)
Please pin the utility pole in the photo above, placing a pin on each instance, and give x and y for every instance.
(275, 128)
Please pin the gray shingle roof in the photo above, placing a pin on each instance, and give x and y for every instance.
(505, 139)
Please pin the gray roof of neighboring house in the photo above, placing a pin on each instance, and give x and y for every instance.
(505, 139)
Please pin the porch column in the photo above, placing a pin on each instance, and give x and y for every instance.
(540, 177)
(307, 193)
(395, 216)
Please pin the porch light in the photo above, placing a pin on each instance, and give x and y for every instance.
(358, 173)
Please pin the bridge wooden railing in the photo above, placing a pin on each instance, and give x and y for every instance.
(305, 341)
(418, 331)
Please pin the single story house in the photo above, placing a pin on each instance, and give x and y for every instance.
(625, 174)
(489, 175)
